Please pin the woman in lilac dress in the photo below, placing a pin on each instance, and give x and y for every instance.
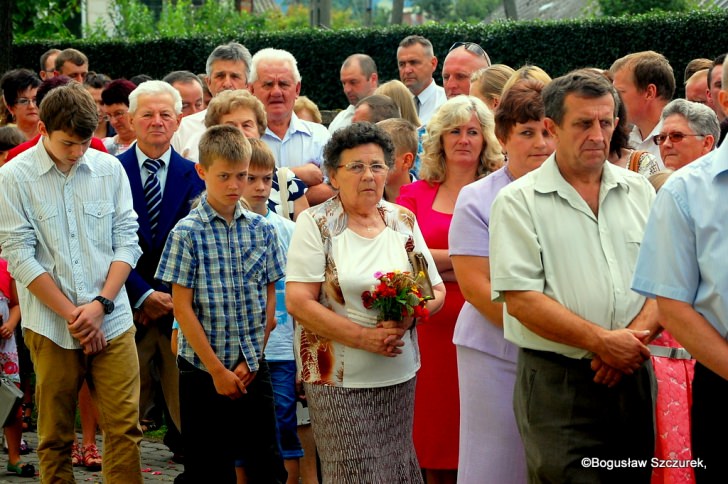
(490, 446)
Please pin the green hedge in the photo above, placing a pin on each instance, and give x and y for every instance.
(556, 46)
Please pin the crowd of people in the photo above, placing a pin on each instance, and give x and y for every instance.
(200, 252)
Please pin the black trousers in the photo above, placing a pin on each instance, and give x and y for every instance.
(217, 430)
(564, 418)
(709, 425)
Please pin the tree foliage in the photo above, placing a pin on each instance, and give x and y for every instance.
(457, 10)
(616, 8)
(131, 19)
(46, 19)
(473, 10)
(437, 10)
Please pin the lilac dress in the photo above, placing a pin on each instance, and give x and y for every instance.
(491, 450)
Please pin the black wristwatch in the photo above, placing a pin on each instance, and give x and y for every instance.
(106, 303)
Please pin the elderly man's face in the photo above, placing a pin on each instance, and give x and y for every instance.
(191, 93)
(227, 75)
(355, 84)
(582, 139)
(154, 121)
(676, 154)
(456, 71)
(415, 67)
(277, 89)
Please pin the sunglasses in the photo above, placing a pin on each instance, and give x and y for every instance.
(675, 137)
(471, 47)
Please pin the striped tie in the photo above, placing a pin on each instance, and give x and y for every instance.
(153, 193)
(417, 104)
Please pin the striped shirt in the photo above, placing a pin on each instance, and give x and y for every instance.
(229, 267)
(71, 227)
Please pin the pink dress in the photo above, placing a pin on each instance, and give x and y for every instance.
(672, 412)
(437, 401)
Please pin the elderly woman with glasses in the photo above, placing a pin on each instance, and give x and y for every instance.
(689, 131)
(19, 88)
(459, 148)
(358, 372)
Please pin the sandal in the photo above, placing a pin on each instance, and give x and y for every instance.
(21, 469)
(76, 455)
(25, 449)
(91, 457)
(148, 425)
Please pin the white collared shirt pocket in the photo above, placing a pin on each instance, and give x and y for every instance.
(98, 217)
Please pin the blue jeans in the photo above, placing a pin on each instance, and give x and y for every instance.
(283, 378)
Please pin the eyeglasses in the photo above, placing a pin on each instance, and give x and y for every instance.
(24, 101)
(116, 115)
(358, 168)
(675, 137)
(471, 47)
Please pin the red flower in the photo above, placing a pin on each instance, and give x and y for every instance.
(395, 296)
(367, 299)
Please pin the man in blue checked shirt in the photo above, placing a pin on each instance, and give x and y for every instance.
(222, 262)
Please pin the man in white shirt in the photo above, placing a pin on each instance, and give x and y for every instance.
(295, 143)
(228, 68)
(646, 84)
(417, 63)
(359, 79)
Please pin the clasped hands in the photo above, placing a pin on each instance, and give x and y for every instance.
(386, 338)
(624, 351)
(84, 324)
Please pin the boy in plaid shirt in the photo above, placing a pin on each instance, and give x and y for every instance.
(222, 262)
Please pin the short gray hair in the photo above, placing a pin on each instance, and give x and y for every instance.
(418, 39)
(183, 77)
(276, 55)
(701, 119)
(232, 51)
(155, 88)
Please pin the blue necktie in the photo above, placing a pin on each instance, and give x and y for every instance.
(153, 193)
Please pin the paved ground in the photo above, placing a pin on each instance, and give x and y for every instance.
(156, 464)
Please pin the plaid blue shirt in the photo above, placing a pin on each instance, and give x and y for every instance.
(229, 268)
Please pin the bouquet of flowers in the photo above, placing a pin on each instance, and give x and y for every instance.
(397, 296)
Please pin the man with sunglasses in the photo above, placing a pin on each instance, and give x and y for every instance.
(646, 84)
(462, 60)
(682, 264)
(417, 63)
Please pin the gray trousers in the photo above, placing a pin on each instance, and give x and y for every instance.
(564, 418)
